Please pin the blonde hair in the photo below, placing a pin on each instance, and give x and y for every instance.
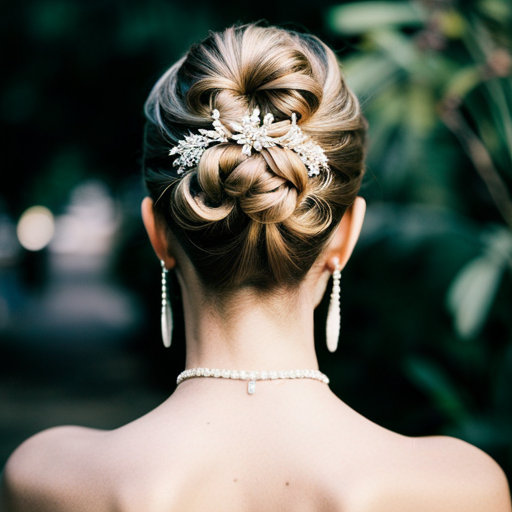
(255, 220)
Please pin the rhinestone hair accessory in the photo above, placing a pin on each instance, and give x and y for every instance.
(252, 133)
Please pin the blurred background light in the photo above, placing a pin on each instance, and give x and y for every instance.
(88, 223)
(36, 228)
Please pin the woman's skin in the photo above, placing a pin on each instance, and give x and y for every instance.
(292, 446)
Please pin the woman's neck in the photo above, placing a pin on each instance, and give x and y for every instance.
(257, 332)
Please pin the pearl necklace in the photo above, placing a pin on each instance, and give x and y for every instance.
(251, 376)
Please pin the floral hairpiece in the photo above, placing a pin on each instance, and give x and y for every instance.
(252, 135)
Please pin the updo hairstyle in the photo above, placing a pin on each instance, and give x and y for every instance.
(256, 220)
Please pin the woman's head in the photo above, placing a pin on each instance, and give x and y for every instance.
(253, 220)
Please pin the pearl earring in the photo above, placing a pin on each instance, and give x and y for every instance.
(166, 310)
(333, 315)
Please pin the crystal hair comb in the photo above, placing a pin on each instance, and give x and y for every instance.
(253, 135)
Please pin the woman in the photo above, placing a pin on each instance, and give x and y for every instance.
(253, 160)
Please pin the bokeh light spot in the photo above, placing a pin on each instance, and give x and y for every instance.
(35, 228)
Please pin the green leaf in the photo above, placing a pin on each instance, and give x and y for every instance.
(398, 48)
(463, 81)
(421, 107)
(433, 381)
(367, 74)
(364, 17)
(500, 10)
(471, 294)
(451, 23)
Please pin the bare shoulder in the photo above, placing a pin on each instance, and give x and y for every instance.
(44, 470)
(443, 473)
(471, 464)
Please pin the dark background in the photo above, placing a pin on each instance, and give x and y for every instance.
(426, 342)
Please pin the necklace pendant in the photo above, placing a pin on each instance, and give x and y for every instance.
(251, 387)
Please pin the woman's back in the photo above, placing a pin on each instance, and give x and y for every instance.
(292, 446)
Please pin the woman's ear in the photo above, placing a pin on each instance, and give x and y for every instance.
(340, 247)
(346, 235)
(156, 233)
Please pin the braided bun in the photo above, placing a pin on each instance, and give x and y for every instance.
(256, 220)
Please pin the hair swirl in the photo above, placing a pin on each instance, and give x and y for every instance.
(255, 220)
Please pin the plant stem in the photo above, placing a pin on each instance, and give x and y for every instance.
(482, 161)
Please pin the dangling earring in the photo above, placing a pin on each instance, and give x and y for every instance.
(166, 310)
(333, 315)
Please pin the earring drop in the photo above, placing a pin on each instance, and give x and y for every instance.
(333, 315)
(166, 310)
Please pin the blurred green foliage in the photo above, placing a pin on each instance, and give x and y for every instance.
(435, 80)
